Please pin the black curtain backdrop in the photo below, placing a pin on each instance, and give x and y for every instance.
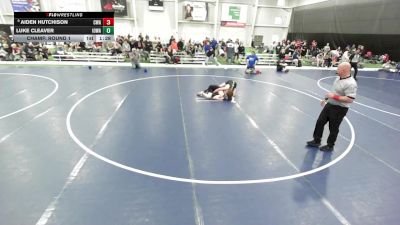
(375, 24)
(376, 43)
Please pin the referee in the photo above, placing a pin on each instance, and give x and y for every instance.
(354, 61)
(336, 105)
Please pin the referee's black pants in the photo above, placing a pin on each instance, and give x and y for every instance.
(333, 114)
(355, 66)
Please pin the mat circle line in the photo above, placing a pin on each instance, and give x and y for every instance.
(359, 103)
(187, 180)
(36, 103)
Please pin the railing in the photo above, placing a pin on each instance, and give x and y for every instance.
(263, 59)
(90, 57)
(197, 58)
(157, 57)
(160, 57)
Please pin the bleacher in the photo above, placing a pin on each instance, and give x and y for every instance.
(263, 59)
(198, 58)
(89, 57)
(157, 57)
(268, 59)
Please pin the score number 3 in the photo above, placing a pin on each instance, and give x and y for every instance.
(108, 21)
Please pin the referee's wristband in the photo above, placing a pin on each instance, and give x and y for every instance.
(336, 97)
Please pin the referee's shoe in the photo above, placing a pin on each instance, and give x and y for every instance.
(326, 148)
(313, 143)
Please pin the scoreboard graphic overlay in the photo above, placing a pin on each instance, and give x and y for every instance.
(63, 26)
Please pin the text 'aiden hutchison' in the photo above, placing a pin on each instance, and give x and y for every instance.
(43, 22)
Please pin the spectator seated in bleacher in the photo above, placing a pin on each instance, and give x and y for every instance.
(39, 54)
(89, 46)
(182, 52)
(346, 55)
(174, 45)
(126, 48)
(319, 59)
(296, 58)
(147, 48)
(327, 58)
(28, 50)
(290, 48)
(168, 55)
(390, 67)
(281, 54)
(3, 54)
(98, 46)
(335, 55)
(44, 52)
(368, 55)
(158, 46)
(181, 45)
(60, 49)
(82, 47)
(189, 48)
(114, 48)
(15, 52)
(260, 48)
(385, 58)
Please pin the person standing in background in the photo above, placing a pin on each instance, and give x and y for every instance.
(346, 55)
(354, 61)
(210, 53)
(241, 51)
(236, 48)
(230, 51)
(135, 58)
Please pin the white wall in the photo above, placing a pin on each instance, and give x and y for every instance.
(271, 34)
(124, 27)
(156, 23)
(297, 3)
(270, 17)
(273, 2)
(196, 32)
(235, 33)
(64, 5)
(163, 24)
